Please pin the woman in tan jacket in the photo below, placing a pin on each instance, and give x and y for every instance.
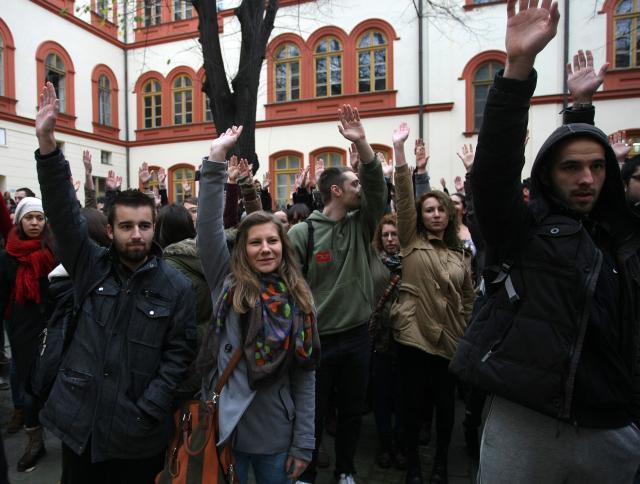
(434, 306)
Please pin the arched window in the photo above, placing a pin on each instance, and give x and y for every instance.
(104, 100)
(178, 177)
(482, 81)
(287, 69)
(286, 167)
(372, 62)
(182, 100)
(182, 9)
(152, 104)
(55, 73)
(152, 12)
(330, 158)
(328, 67)
(627, 35)
(385, 150)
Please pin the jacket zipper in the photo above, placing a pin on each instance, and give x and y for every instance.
(584, 321)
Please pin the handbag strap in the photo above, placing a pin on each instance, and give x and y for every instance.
(233, 362)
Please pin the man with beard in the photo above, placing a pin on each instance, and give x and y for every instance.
(134, 337)
(631, 178)
(334, 251)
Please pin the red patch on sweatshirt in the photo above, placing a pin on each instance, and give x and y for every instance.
(323, 256)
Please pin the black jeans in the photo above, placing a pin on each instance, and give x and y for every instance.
(345, 366)
(419, 370)
(78, 469)
(387, 396)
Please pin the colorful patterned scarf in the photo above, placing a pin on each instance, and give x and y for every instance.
(277, 334)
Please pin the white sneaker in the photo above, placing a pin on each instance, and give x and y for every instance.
(346, 479)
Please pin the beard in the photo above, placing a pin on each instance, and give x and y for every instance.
(132, 254)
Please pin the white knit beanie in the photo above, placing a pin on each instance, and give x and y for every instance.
(26, 205)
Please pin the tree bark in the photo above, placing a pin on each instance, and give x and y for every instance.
(236, 104)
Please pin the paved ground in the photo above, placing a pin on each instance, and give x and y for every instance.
(462, 470)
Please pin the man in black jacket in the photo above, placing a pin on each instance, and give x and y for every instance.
(556, 340)
(112, 400)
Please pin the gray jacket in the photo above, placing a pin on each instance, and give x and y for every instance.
(271, 420)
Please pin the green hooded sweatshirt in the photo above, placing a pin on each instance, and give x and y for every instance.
(339, 273)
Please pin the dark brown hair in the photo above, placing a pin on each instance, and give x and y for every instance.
(388, 219)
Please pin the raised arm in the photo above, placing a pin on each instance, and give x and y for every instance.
(421, 174)
(583, 82)
(89, 188)
(59, 197)
(405, 201)
(499, 159)
(373, 196)
(212, 243)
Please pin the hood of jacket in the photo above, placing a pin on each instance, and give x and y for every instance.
(611, 201)
(185, 253)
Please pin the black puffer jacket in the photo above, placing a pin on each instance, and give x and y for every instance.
(566, 347)
(134, 341)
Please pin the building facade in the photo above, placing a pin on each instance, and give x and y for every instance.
(129, 76)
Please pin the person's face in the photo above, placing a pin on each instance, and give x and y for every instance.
(132, 234)
(193, 211)
(434, 216)
(350, 191)
(33, 224)
(264, 248)
(283, 219)
(100, 206)
(578, 175)
(459, 206)
(633, 188)
(390, 240)
(20, 194)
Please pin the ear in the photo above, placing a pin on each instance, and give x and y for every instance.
(336, 191)
(110, 231)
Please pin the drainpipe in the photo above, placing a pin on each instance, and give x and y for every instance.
(126, 90)
(420, 74)
(565, 87)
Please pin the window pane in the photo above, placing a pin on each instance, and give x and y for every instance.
(281, 164)
(365, 40)
(378, 38)
(295, 67)
(623, 43)
(335, 45)
(364, 72)
(294, 162)
(482, 74)
(321, 90)
(336, 89)
(625, 6)
(381, 84)
(322, 47)
(364, 58)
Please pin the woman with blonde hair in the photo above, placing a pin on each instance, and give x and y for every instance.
(433, 309)
(265, 307)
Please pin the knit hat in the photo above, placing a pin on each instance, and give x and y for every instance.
(26, 205)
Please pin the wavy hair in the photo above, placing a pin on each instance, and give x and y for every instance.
(450, 237)
(246, 282)
(388, 219)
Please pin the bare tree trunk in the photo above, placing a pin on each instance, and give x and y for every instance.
(236, 106)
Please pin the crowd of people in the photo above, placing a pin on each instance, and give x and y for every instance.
(370, 290)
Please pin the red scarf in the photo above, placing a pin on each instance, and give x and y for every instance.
(34, 262)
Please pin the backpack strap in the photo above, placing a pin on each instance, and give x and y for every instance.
(310, 245)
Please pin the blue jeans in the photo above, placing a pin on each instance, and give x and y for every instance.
(267, 468)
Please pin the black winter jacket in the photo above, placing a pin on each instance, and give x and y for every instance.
(134, 340)
(535, 349)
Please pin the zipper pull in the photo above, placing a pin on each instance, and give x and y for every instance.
(487, 356)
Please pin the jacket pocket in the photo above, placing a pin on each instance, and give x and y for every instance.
(287, 402)
(68, 396)
(146, 332)
(103, 303)
(138, 383)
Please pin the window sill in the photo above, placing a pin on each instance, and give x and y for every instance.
(104, 130)
(328, 106)
(176, 133)
(472, 6)
(627, 78)
(8, 105)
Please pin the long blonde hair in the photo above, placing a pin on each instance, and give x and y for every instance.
(246, 282)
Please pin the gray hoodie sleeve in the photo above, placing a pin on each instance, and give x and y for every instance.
(211, 240)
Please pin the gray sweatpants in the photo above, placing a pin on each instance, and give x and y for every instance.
(522, 446)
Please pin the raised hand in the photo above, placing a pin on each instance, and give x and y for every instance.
(232, 170)
(266, 180)
(298, 180)
(86, 161)
(422, 155)
(76, 184)
(162, 176)
(244, 167)
(144, 175)
(401, 134)
(467, 156)
(223, 143)
(156, 197)
(46, 118)
(186, 187)
(113, 181)
(459, 184)
(305, 177)
(354, 157)
(387, 168)
(582, 79)
(620, 145)
(528, 32)
(320, 167)
(443, 182)
(350, 126)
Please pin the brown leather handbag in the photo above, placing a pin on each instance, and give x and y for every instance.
(193, 457)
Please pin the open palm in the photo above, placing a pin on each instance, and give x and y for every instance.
(531, 29)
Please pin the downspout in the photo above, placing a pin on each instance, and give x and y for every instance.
(420, 75)
(565, 86)
(126, 90)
